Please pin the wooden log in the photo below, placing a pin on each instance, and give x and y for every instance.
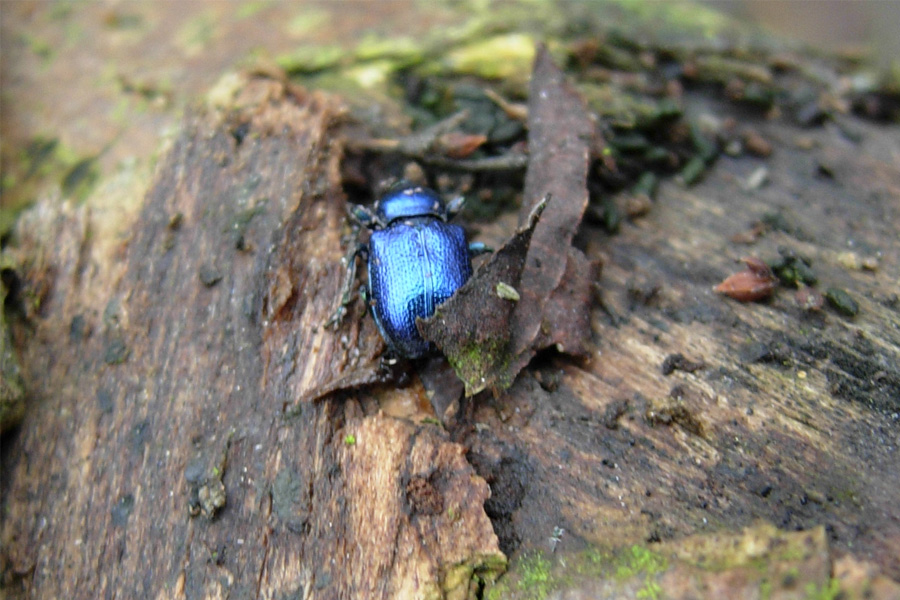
(167, 450)
(157, 459)
(783, 413)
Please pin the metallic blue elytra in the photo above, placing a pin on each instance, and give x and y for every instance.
(416, 261)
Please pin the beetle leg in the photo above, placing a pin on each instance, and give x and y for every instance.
(349, 262)
(478, 248)
(364, 296)
(363, 216)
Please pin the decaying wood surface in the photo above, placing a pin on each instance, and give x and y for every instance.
(157, 459)
(170, 349)
(792, 417)
(160, 366)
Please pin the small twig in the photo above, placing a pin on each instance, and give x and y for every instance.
(417, 145)
(424, 146)
(515, 111)
(511, 161)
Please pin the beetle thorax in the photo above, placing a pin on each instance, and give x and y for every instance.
(410, 202)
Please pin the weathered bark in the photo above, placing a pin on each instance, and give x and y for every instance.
(792, 419)
(160, 393)
(168, 345)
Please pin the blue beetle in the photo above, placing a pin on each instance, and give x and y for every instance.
(416, 261)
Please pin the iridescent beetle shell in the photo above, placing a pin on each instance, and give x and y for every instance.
(416, 261)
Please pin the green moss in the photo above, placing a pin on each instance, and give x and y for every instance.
(793, 269)
(41, 162)
(7, 219)
(245, 10)
(79, 179)
(689, 18)
(456, 580)
(625, 110)
(507, 56)
(693, 170)
(646, 184)
(311, 59)
(40, 47)
(402, 49)
(497, 591)
(375, 74)
(38, 155)
(474, 363)
(842, 301)
(536, 576)
(765, 589)
(790, 577)
(830, 590)
(595, 561)
(485, 568)
(536, 580)
(651, 590)
(639, 568)
(639, 559)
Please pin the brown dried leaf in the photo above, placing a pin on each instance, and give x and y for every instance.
(756, 282)
(457, 144)
(473, 328)
(489, 339)
(556, 278)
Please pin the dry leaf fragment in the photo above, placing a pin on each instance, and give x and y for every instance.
(756, 282)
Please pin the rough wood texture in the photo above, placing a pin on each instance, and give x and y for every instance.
(167, 343)
(792, 419)
(159, 392)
